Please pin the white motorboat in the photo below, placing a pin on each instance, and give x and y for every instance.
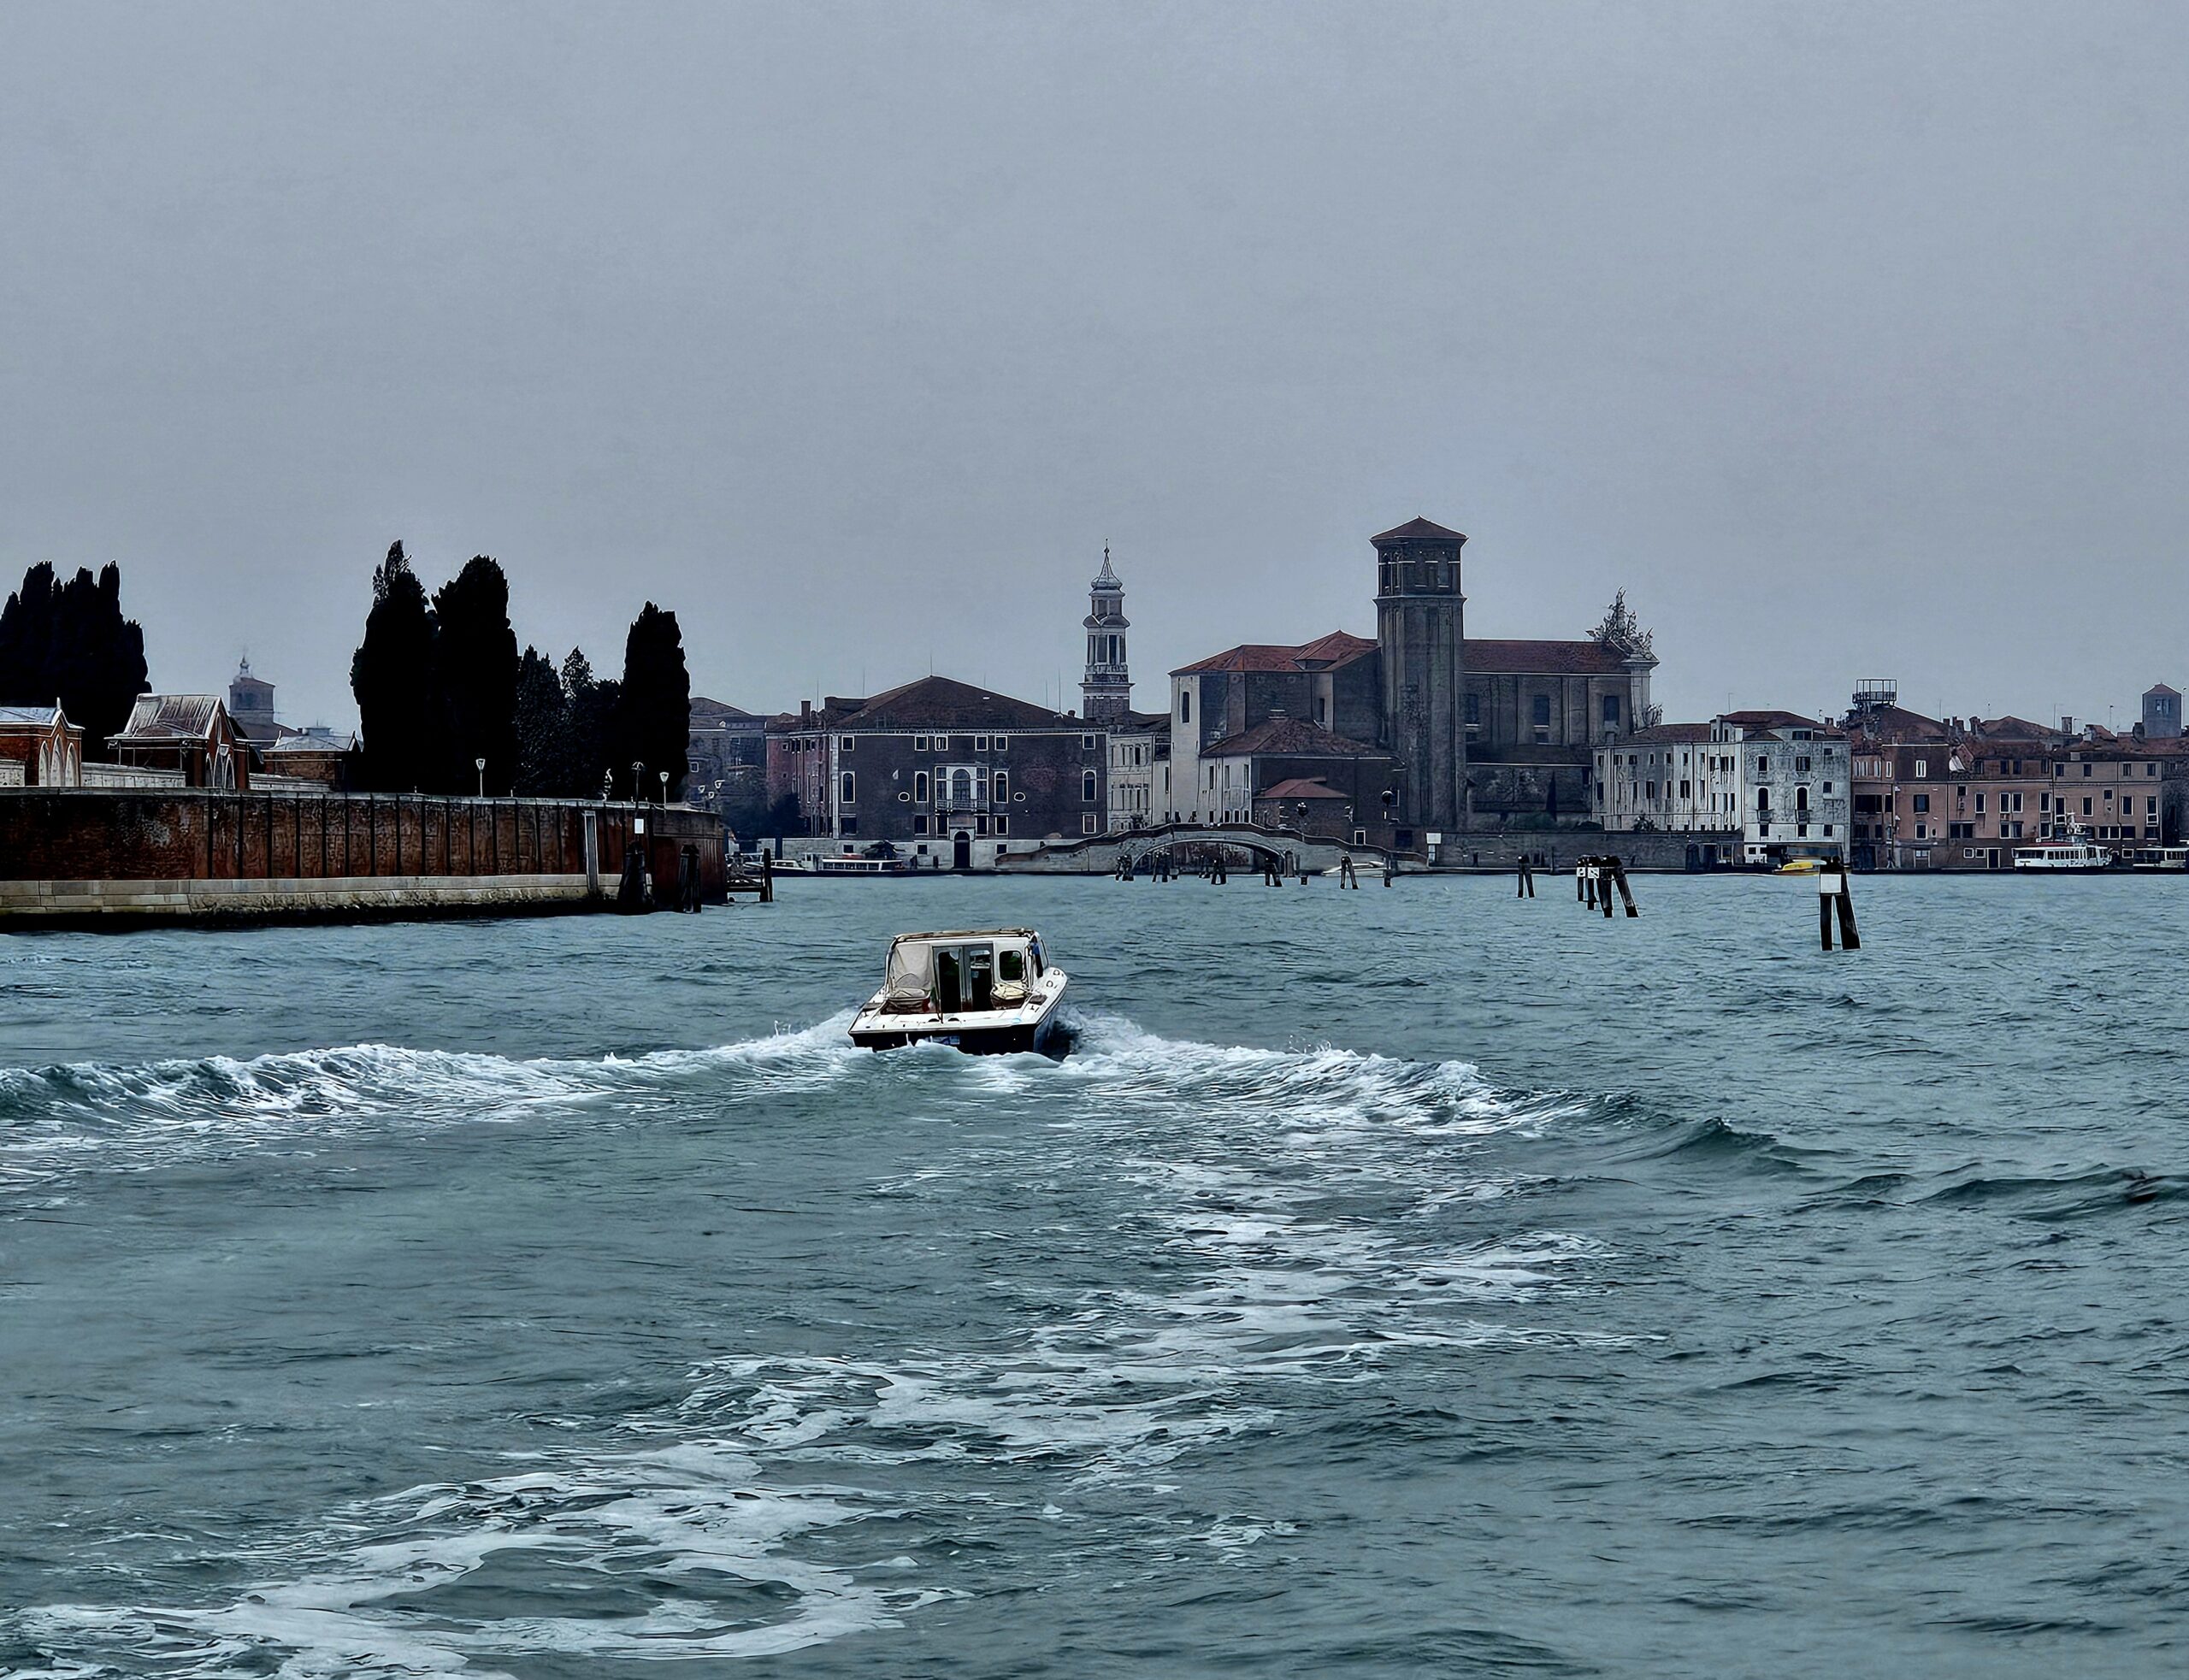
(2162, 857)
(985, 991)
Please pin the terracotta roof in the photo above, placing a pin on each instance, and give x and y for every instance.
(1529, 659)
(171, 717)
(2007, 728)
(935, 703)
(1293, 737)
(1338, 648)
(1334, 649)
(1768, 719)
(1301, 787)
(1668, 732)
(1898, 723)
(2161, 688)
(1414, 528)
(702, 707)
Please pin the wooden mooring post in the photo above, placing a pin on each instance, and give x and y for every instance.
(1831, 890)
(1524, 886)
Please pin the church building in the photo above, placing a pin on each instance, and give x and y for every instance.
(1472, 734)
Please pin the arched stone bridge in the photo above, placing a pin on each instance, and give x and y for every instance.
(1099, 854)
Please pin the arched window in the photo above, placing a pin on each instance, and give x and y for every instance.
(961, 788)
(1086, 786)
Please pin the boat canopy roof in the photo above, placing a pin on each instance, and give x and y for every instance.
(912, 956)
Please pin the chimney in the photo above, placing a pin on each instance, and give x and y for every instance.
(805, 712)
(2067, 725)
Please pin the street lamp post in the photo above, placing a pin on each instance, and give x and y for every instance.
(479, 765)
(664, 790)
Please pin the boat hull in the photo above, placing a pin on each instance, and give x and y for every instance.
(976, 1041)
(1003, 1033)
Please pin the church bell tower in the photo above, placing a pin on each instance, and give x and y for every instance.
(1421, 635)
(1105, 692)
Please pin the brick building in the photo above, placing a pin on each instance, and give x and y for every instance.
(190, 734)
(1480, 733)
(1241, 771)
(39, 748)
(944, 772)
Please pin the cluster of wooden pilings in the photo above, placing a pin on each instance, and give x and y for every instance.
(1595, 879)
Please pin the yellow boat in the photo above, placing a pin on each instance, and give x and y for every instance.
(1800, 866)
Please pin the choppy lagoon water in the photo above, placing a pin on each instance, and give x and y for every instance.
(1393, 1283)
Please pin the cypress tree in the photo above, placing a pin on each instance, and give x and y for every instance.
(393, 676)
(653, 716)
(543, 729)
(476, 665)
(70, 643)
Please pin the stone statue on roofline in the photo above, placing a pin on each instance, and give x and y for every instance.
(1622, 631)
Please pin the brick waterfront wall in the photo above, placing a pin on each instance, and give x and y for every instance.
(128, 834)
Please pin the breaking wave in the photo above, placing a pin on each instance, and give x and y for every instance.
(128, 1117)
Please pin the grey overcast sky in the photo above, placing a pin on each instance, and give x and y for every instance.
(1848, 339)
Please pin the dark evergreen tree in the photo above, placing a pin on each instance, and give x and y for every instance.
(393, 676)
(69, 642)
(543, 731)
(475, 662)
(591, 711)
(653, 716)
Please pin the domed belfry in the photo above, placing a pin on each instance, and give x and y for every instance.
(1106, 691)
(1421, 636)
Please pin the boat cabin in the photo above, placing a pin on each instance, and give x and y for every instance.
(960, 973)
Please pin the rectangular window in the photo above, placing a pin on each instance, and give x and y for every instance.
(1088, 743)
(1002, 742)
(2086, 807)
(1920, 801)
(1979, 805)
(919, 743)
(919, 823)
(1002, 823)
(1539, 712)
(1087, 822)
(847, 741)
(1923, 770)
(1474, 712)
(980, 743)
(1185, 705)
(848, 792)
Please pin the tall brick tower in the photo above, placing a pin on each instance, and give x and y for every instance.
(1105, 692)
(1420, 631)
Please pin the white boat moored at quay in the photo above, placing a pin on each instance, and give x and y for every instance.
(985, 991)
(2161, 858)
(2076, 852)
